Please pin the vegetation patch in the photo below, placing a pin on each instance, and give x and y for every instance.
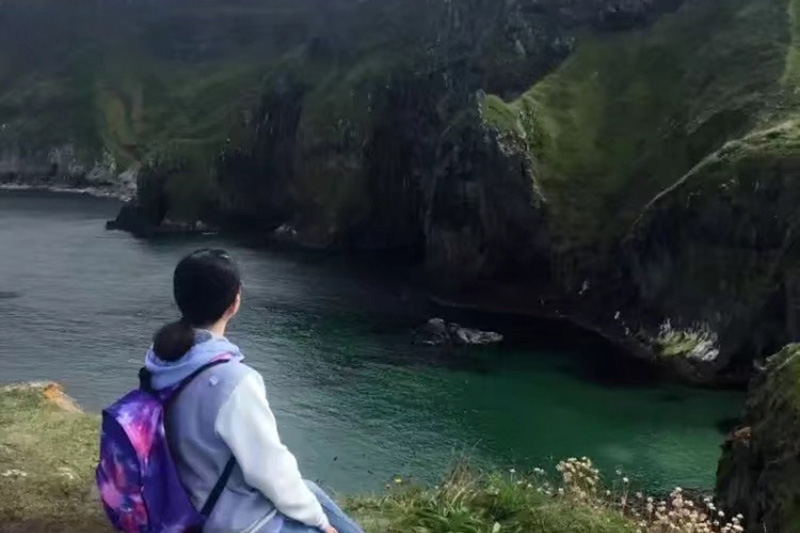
(48, 449)
(699, 342)
(629, 114)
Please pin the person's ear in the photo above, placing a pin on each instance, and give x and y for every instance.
(234, 308)
(237, 303)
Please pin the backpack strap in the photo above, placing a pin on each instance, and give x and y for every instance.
(219, 486)
(216, 492)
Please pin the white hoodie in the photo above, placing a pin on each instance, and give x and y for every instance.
(225, 411)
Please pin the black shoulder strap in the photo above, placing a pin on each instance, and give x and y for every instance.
(219, 486)
(216, 492)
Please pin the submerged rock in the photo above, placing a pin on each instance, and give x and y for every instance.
(759, 472)
(437, 332)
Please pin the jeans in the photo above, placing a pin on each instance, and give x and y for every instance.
(337, 517)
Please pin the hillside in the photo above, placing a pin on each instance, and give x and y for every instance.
(626, 165)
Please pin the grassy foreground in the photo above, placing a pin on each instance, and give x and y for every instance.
(48, 448)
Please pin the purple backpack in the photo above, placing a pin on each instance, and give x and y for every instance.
(137, 478)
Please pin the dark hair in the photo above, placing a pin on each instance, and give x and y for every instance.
(205, 284)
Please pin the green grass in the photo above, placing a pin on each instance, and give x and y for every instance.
(125, 80)
(627, 115)
(470, 502)
(48, 449)
(47, 457)
(724, 195)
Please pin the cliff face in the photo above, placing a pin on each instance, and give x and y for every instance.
(111, 86)
(628, 165)
(666, 158)
(616, 163)
(760, 464)
(379, 142)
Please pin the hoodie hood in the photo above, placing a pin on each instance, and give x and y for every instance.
(206, 349)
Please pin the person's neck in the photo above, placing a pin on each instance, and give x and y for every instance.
(218, 328)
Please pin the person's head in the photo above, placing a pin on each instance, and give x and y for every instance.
(207, 288)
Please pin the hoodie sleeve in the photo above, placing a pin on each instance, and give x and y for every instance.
(248, 427)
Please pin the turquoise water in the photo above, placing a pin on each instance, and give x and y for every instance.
(355, 400)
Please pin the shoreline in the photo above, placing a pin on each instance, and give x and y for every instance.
(627, 345)
(94, 192)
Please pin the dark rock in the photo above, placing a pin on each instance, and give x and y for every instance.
(133, 220)
(437, 332)
(759, 469)
(462, 336)
(433, 333)
(136, 220)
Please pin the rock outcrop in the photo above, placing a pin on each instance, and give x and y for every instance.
(62, 168)
(760, 466)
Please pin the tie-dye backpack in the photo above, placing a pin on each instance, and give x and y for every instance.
(136, 476)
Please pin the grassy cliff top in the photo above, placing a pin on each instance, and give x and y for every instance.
(628, 114)
(48, 449)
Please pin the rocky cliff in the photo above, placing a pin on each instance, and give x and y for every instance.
(92, 90)
(760, 464)
(626, 164)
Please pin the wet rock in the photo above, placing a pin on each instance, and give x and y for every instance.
(433, 333)
(133, 220)
(437, 332)
(473, 337)
(136, 221)
(760, 465)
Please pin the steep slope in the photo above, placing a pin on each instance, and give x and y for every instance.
(111, 84)
(757, 473)
(667, 160)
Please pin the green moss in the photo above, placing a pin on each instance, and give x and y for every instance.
(501, 116)
(783, 382)
(678, 344)
(130, 81)
(791, 77)
(627, 115)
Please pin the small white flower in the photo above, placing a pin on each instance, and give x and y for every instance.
(14, 473)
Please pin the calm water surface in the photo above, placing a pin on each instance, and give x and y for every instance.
(355, 400)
